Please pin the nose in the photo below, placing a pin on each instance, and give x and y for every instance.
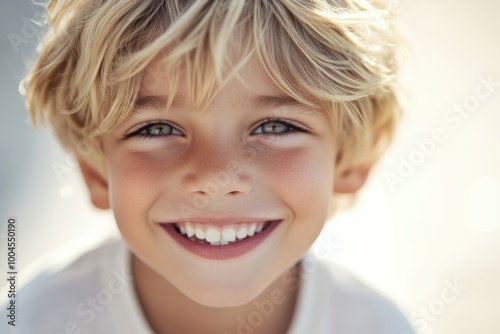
(217, 171)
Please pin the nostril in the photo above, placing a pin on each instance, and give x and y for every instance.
(205, 184)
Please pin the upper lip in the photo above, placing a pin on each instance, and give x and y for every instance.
(220, 220)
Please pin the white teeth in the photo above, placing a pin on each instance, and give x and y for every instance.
(183, 230)
(260, 227)
(200, 234)
(189, 230)
(242, 233)
(228, 234)
(212, 235)
(251, 230)
(219, 235)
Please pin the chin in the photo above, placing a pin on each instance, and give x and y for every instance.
(228, 295)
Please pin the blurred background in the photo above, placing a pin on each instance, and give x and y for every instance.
(426, 229)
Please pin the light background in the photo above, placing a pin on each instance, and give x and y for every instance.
(440, 225)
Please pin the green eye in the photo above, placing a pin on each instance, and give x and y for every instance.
(158, 129)
(278, 127)
(155, 130)
(275, 127)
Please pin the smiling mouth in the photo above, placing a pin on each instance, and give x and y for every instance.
(220, 235)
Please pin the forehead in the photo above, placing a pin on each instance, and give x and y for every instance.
(251, 79)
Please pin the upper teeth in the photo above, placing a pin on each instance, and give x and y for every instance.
(220, 235)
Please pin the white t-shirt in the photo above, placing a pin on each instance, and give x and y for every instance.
(94, 293)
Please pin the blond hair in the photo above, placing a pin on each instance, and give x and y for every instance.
(338, 55)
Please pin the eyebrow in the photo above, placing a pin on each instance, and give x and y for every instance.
(288, 102)
(150, 102)
(158, 102)
(275, 101)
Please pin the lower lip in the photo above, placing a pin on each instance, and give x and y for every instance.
(225, 252)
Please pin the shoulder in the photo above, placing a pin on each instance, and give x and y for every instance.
(357, 302)
(56, 296)
(344, 304)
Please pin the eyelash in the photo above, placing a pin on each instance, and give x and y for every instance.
(137, 133)
(291, 125)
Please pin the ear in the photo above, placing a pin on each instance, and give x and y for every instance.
(351, 179)
(96, 184)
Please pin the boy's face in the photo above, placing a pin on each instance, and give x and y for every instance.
(252, 154)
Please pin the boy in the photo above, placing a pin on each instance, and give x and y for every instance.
(217, 132)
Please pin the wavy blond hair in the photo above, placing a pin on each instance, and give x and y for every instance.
(338, 55)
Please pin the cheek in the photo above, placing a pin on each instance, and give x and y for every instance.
(135, 182)
(304, 178)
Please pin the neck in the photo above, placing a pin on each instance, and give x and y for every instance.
(169, 311)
